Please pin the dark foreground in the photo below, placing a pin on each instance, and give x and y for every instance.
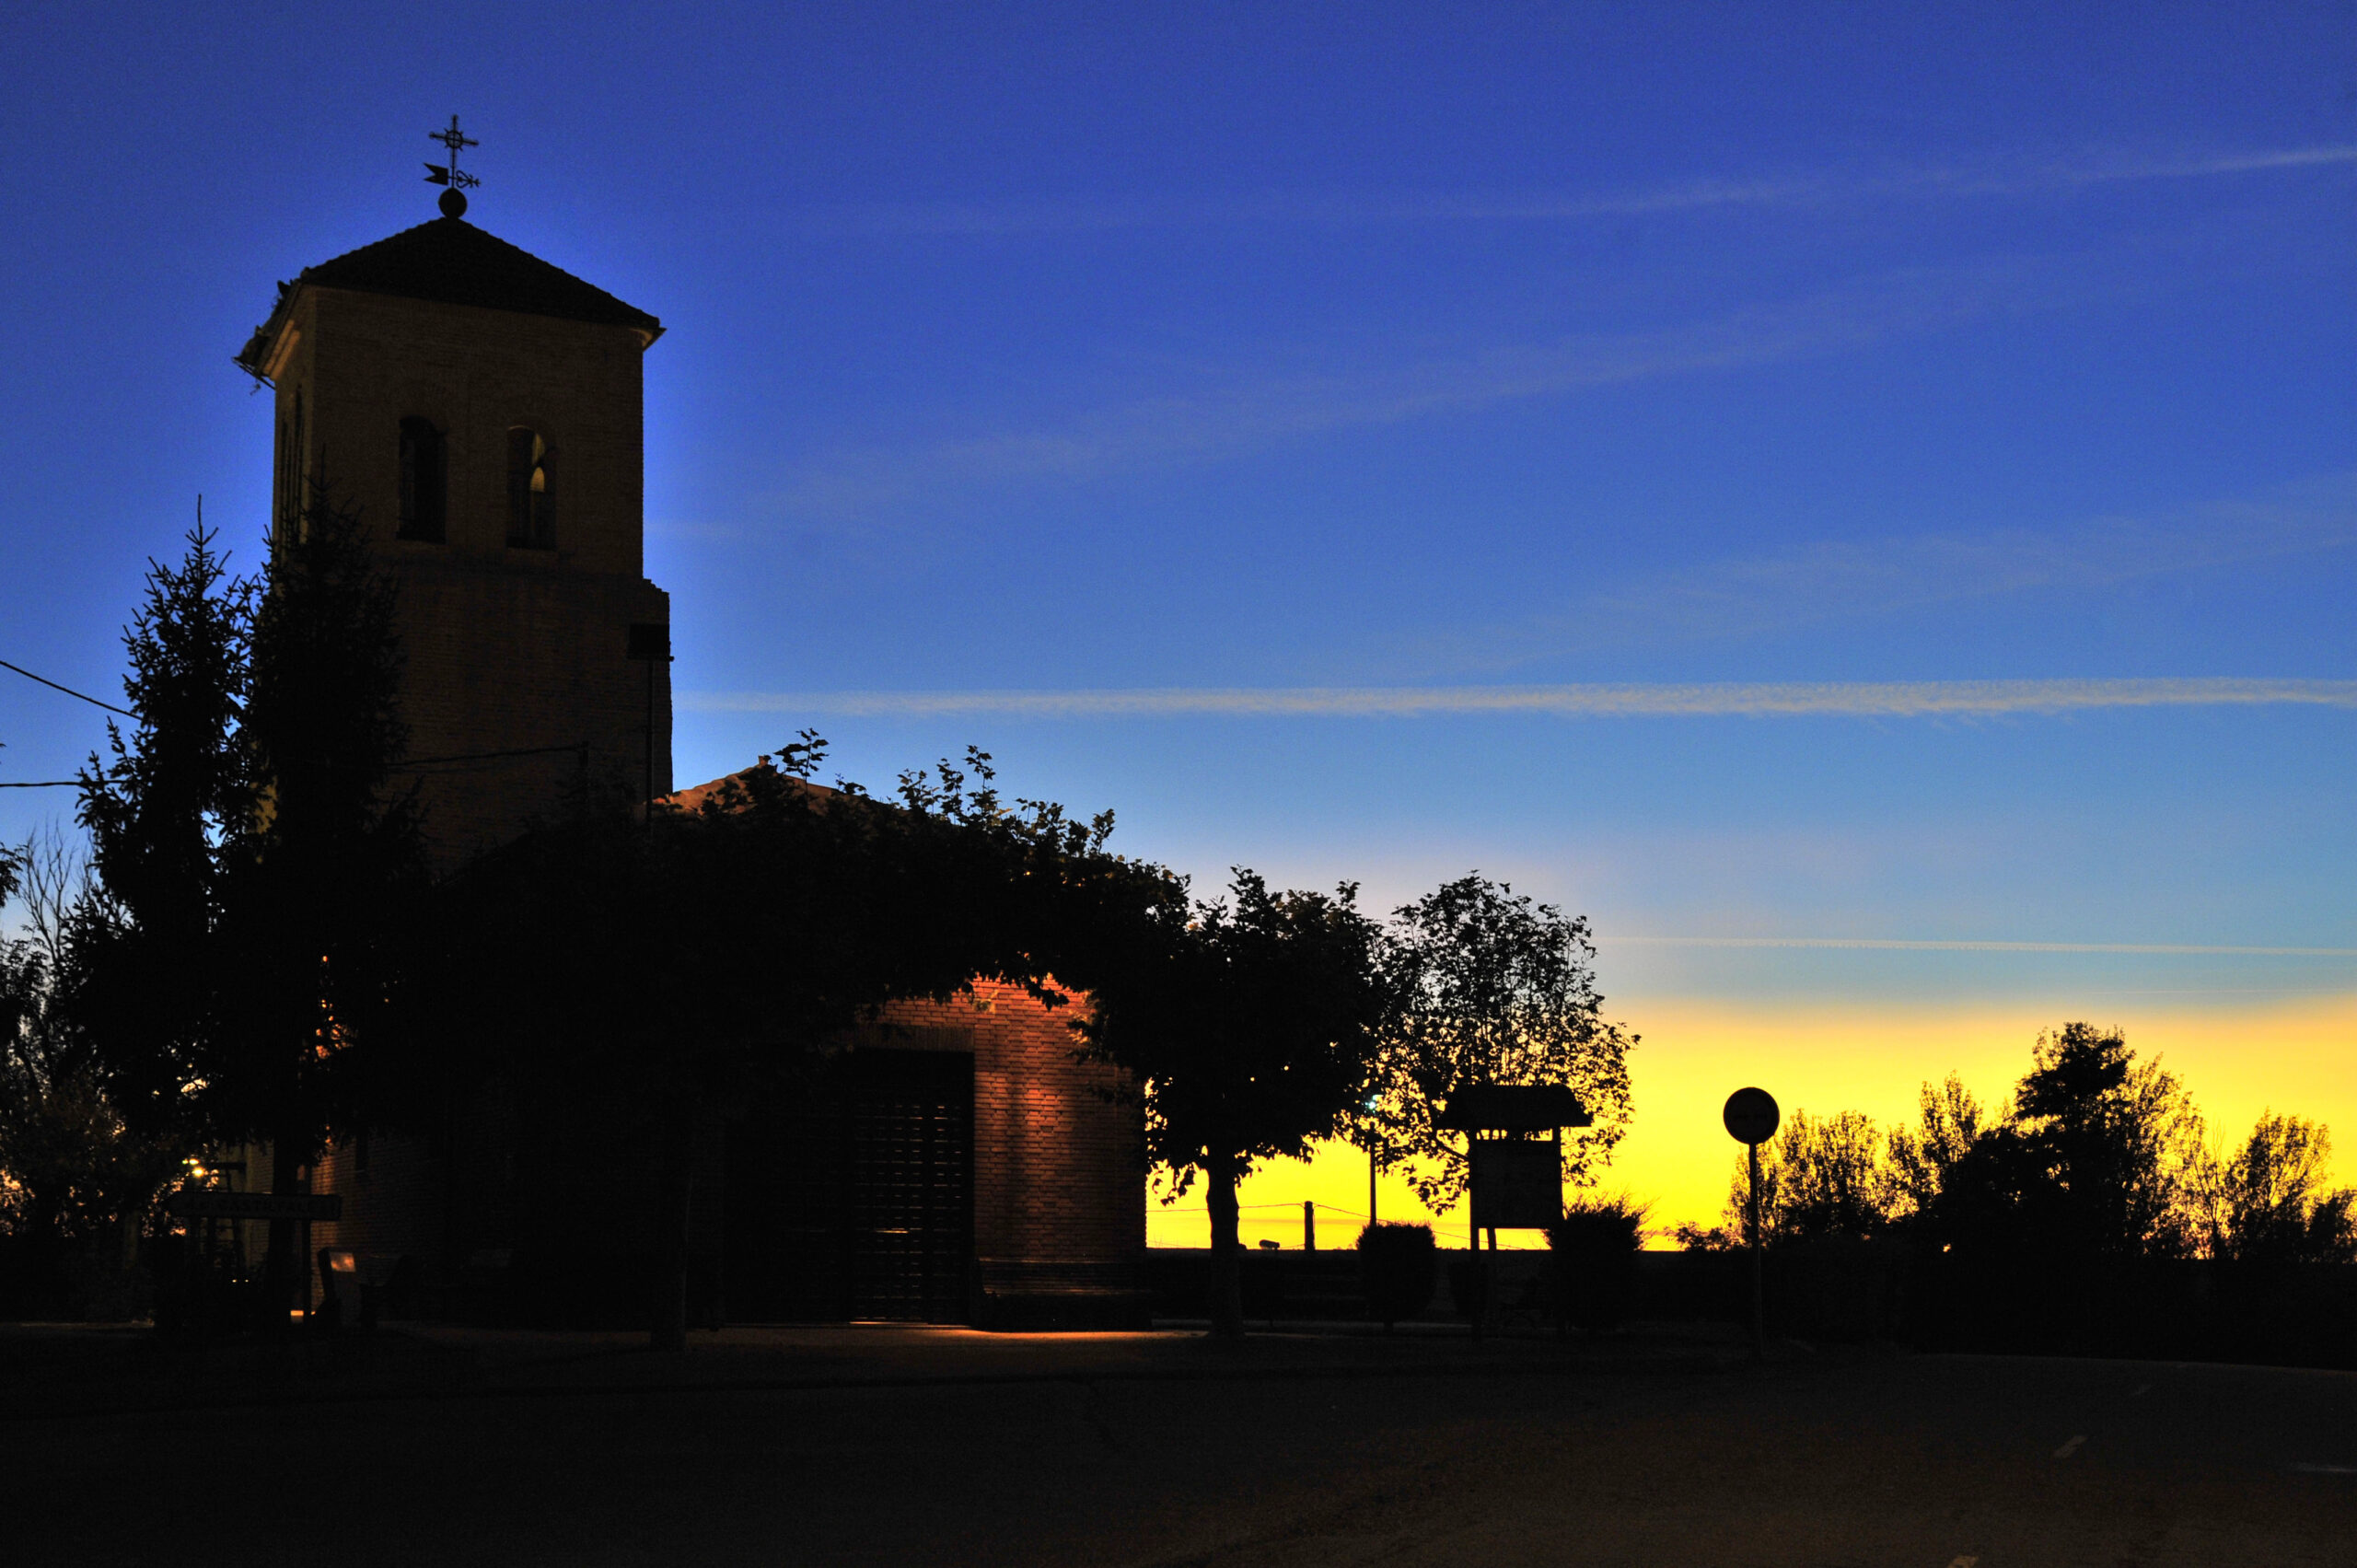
(889, 1447)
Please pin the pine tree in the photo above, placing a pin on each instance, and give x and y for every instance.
(323, 868)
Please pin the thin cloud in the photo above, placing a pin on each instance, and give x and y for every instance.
(1835, 580)
(1888, 699)
(1999, 178)
(2172, 950)
(1243, 418)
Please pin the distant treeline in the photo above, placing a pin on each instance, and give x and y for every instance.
(2090, 1212)
(2095, 1154)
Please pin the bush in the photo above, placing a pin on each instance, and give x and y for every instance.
(1399, 1266)
(1594, 1266)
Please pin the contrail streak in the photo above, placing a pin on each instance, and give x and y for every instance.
(1882, 945)
(1893, 699)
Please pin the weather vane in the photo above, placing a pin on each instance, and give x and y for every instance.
(453, 200)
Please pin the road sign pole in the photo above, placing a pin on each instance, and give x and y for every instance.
(1751, 1118)
(1759, 1297)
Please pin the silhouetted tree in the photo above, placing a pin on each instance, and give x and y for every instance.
(253, 872)
(2270, 1205)
(1948, 1120)
(1818, 1176)
(1248, 1028)
(164, 811)
(1489, 987)
(2117, 1141)
(329, 860)
(2046, 1224)
(324, 869)
(76, 1182)
(129, 962)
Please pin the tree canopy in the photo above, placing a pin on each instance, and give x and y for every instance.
(1485, 985)
(1247, 1026)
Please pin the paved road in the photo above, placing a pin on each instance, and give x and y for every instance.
(1936, 1461)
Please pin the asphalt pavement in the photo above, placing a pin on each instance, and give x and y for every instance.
(891, 1446)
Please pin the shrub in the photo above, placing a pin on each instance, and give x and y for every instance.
(1399, 1266)
(1595, 1249)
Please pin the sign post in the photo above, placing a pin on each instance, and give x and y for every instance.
(1515, 1181)
(1751, 1118)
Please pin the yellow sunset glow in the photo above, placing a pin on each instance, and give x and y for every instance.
(2298, 1056)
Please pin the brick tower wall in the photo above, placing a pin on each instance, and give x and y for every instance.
(508, 649)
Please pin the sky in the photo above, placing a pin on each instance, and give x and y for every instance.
(1860, 502)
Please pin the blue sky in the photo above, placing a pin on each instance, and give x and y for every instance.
(1214, 351)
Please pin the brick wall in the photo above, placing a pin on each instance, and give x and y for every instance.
(1059, 1167)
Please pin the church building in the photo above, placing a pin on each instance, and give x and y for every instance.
(482, 408)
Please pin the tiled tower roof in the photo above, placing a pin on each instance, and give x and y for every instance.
(451, 260)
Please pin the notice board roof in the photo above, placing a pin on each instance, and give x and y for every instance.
(1513, 1108)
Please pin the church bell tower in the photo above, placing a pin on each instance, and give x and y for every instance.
(482, 408)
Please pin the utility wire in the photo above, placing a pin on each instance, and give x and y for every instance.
(413, 765)
(53, 686)
(406, 763)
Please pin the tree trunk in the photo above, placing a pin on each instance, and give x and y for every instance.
(674, 1213)
(1227, 1252)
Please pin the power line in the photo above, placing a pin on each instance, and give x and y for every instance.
(53, 686)
(403, 765)
(412, 765)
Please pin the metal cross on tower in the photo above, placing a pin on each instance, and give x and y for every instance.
(453, 200)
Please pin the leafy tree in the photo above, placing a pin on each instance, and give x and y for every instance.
(73, 1177)
(43, 1113)
(2270, 1203)
(1948, 1122)
(1489, 987)
(2117, 1141)
(2041, 1229)
(1818, 1175)
(1247, 1026)
(677, 964)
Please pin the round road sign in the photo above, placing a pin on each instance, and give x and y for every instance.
(1750, 1116)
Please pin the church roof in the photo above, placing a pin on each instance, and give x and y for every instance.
(451, 260)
